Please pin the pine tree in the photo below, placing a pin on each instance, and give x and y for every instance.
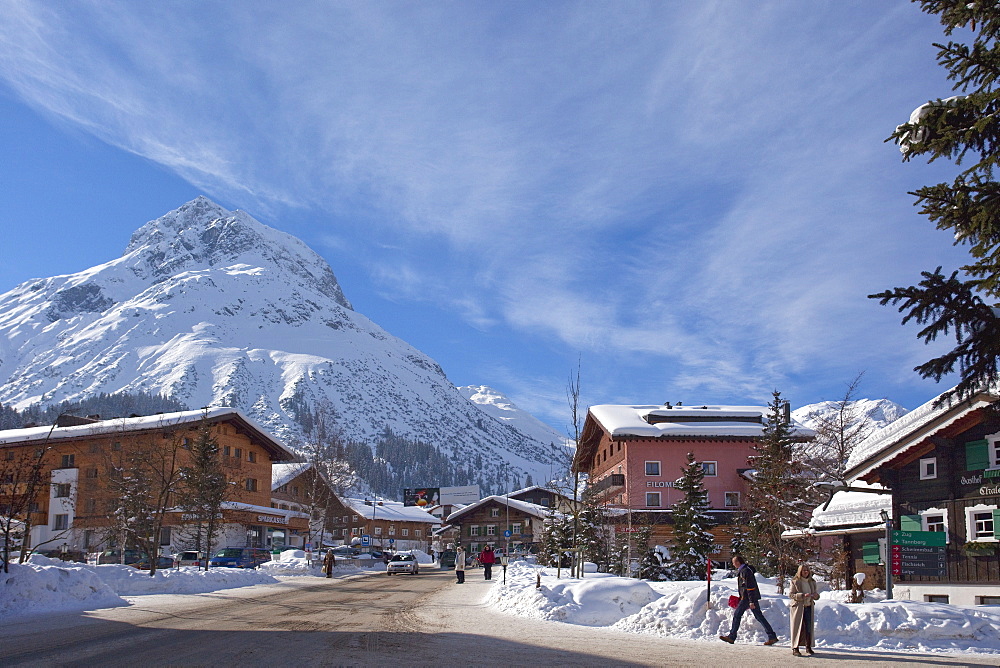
(592, 536)
(779, 497)
(692, 542)
(966, 127)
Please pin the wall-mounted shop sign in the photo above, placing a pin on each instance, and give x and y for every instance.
(664, 483)
(273, 519)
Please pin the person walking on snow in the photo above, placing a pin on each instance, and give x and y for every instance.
(329, 561)
(804, 594)
(749, 598)
(487, 558)
(460, 564)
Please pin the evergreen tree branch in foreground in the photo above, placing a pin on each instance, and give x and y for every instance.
(963, 128)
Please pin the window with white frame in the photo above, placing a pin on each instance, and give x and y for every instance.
(935, 519)
(710, 469)
(980, 523)
(515, 528)
(494, 512)
(652, 499)
(994, 450)
(418, 532)
(378, 531)
(652, 468)
(61, 522)
(405, 532)
(491, 529)
(928, 468)
(474, 530)
(732, 499)
(392, 529)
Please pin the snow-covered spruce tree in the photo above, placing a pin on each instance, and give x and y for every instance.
(557, 537)
(692, 542)
(650, 567)
(779, 498)
(203, 488)
(640, 550)
(592, 536)
(963, 129)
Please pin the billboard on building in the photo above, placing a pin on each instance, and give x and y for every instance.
(426, 497)
(423, 497)
(467, 494)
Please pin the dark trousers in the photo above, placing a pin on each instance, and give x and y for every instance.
(488, 571)
(461, 576)
(738, 616)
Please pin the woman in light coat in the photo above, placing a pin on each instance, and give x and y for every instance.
(804, 594)
(460, 565)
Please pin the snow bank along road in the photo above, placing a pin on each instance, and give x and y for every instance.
(364, 620)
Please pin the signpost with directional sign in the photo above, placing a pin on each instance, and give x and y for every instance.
(919, 553)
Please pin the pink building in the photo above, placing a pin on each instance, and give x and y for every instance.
(635, 454)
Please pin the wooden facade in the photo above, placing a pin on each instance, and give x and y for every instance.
(942, 465)
(74, 504)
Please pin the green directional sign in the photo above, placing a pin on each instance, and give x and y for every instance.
(919, 538)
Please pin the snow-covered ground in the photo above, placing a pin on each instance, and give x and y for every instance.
(669, 609)
(49, 585)
(679, 610)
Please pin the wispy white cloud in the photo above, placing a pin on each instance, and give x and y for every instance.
(687, 183)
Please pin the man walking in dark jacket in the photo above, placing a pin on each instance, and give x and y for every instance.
(749, 598)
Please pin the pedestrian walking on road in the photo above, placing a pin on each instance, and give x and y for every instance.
(749, 598)
(804, 594)
(329, 561)
(460, 564)
(487, 558)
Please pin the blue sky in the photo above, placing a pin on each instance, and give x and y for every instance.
(691, 198)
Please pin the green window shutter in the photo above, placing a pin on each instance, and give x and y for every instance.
(996, 523)
(869, 553)
(977, 455)
(910, 523)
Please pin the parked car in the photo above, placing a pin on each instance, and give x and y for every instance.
(402, 563)
(69, 555)
(346, 551)
(115, 557)
(189, 558)
(447, 559)
(240, 557)
(161, 563)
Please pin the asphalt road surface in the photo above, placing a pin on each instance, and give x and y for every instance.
(367, 620)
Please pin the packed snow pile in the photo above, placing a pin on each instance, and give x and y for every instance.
(50, 585)
(680, 610)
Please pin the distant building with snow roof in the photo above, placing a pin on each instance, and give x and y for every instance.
(485, 522)
(634, 454)
(388, 524)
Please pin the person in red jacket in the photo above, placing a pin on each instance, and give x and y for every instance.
(487, 559)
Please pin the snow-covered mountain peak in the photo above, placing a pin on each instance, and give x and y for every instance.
(213, 308)
(201, 234)
(874, 412)
(495, 404)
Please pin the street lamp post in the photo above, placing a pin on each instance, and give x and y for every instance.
(887, 518)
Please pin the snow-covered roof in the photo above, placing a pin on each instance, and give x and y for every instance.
(149, 422)
(393, 511)
(528, 508)
(909, 430)
(852, 509)
(655, 421)
(263, 510)
(282, 474)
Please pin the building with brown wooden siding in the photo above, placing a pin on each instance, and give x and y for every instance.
(942, 467)
(73, 505)
(389, 525)
(485, 522)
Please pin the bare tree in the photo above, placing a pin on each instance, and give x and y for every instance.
(21, 481)
(838, 432)
(328, 474)
(573, 399)
(143, 479)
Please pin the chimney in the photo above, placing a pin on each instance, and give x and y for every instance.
(667, 404)
(65, 420)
